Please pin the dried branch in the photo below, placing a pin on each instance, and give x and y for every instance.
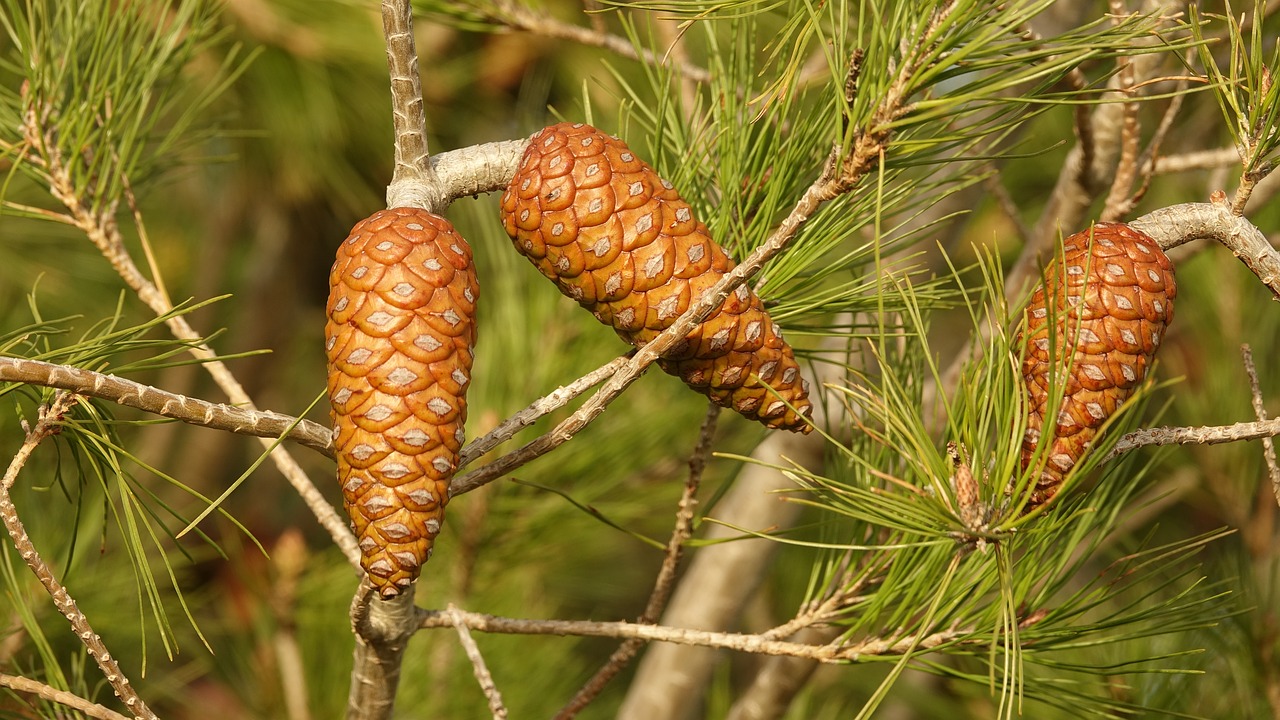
(477, 664)
(259, 423)
(49, 423)
(519, 17)
(755, 644)
(665, 581)
(1260, 410)
(62, 697)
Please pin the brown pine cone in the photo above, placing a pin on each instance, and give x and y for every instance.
(617, 238)
(401, 327)
(1115, 300)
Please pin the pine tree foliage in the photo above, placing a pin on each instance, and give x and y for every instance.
(228, 146)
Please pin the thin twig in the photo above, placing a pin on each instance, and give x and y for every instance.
(1119, 201)
(519, 17)
(1198, 160)
(538, 409)
(755, 644)
(62, 697)
(1206, 435)
(49, 423)
(1260, 410)
(259, 423)
(477, 664)
(665, 581)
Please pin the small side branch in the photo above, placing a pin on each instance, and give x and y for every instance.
(1260, 410)
(537, 409)
(61, 697)
(193, 411)
(496, 706)
(48, 424)
(755, 644)
(1207, 435)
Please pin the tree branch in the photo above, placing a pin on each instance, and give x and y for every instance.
(518, 17)
(382, 630)
(1206, 435)
(258, 423)
(754, 644)
(496, 707)
(1260, 410)
(413, 182)
(62, 697)
(536, 410)
(49, 423)
(1178, 224)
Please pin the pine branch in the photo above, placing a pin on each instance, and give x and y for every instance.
(49, 423)
(414, 182)
(1260, 411)
(518, 17)
(382, 630)
(1178, 224)
(61, 697)
(755, 644)
(1205, 435)
(496, 707)
(258, 423)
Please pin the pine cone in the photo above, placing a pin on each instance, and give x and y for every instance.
(1116, 299)
(617, 238)
(401, 327)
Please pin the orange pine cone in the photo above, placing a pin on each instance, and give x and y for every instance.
(401, 327)
(1116, 298)
(617, 238)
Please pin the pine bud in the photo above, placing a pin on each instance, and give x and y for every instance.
(619, 239)
(1110, 308)
(401, 327)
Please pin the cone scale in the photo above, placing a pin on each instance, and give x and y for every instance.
(1107, 301)
(618, 239)
(399, 344)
